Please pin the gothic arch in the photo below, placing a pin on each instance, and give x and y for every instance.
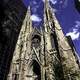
(36, 40)
(52, 37)
(54, 40)
(34, 71)
(34, 34)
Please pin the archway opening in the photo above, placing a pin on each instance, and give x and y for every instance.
(36, 70)
(36, 41)
(53, 40)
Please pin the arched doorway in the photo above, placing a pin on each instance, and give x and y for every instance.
(34, 71)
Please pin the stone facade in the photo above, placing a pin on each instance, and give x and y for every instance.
(43, 54)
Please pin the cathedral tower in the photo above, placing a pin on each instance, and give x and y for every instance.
(43, 54)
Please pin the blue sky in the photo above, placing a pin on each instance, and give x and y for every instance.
(66, 13)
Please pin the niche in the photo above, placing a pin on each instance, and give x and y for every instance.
(36, 41)
(34, 71)
(52, 36)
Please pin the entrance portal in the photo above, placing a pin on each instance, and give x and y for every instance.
(34, 72)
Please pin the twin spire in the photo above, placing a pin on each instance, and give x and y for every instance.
(47, 13)
(47, 10)
(28, 19)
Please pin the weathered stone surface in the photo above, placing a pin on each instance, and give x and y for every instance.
(43, 54)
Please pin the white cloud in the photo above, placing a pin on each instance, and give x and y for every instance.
(34, 9)
(52, 1)
(54, 10)
(34, 6)
(34, 2)
(35, 18)
(75, 34)
(64, 3)
(43, 0)
(77, 24)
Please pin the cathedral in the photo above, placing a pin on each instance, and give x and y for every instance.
(45, 53)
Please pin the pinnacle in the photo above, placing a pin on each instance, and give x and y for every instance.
(29, 10)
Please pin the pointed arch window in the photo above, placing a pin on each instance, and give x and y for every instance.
(15, 76)
(34, 71)
(54, 40)
(36, 41)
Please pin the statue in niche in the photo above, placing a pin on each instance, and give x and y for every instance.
(36, 45)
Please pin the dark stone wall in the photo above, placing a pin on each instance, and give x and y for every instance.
(1, 19)
(77, 5)
(12, 13)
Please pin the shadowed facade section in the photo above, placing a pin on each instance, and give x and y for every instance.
(77, 5)
(11, 16)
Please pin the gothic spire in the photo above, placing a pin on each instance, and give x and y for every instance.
(46, 10)
(28, 20)
(27, 23)
(47, 15)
